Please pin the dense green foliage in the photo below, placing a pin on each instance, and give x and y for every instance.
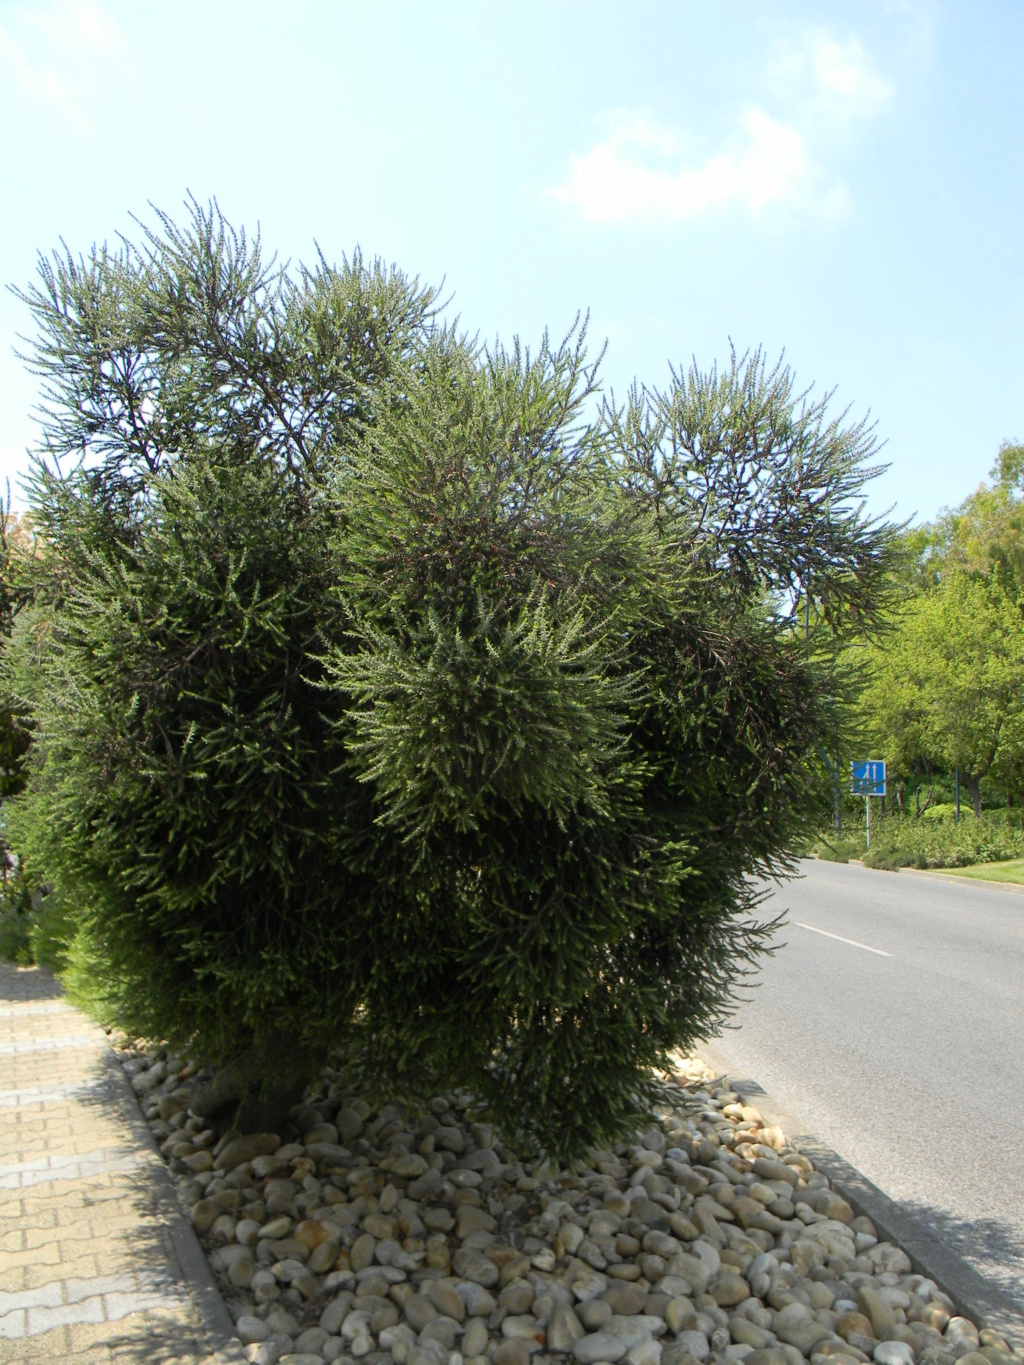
(15, 729)
(393, 698)
(16, 889)
(946, 691)
(903, 841)
(941, 691)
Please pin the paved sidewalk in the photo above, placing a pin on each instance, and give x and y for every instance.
(97, 1263)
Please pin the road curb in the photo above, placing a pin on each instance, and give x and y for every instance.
(973, 1296)
(935, 874)
(199, 1281)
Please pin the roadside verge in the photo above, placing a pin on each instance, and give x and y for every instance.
(938, 874)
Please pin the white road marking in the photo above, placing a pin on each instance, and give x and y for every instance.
(851, 941)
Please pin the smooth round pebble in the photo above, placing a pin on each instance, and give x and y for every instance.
(251, 1329)
(597, 1346)
(474, 1338)
(512, 1352)
(694, 1344)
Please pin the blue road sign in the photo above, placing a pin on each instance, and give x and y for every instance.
(867, 778)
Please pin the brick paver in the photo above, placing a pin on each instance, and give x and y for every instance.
(96, 1263)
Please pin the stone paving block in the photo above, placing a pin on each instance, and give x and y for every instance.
(54, 1345)
(65, 1142)
(14, 1280)
(86, 1337)
(116, 1258)
(56, 1166)
(89, 1270)
(46, 1211)
(51, 1233)
(108, 1226)
(47, 1297)
(85, 1267)
(64, 1315)
(12, 1324)
(42, 1253)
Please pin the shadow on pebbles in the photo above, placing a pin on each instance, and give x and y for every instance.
(381, 1236)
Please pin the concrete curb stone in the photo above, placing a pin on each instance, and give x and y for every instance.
(202, 1287)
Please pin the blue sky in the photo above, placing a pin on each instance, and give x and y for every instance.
(845, 181)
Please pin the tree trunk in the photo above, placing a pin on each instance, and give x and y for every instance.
(249, 1096)
(973, 785)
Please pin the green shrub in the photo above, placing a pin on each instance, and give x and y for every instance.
(15, 931)
(945, 811)
(390, 703)
(902, 842)
(839, 850)
(34, 928)
(15, 738)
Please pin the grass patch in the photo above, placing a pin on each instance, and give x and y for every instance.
(1010, 871)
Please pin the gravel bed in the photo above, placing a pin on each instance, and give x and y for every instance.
(390, 1238)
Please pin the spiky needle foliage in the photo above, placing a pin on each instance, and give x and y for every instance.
(395, 698)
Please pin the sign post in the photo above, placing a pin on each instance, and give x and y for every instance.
(867, 779)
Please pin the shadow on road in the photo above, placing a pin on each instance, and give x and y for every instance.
(994, 1248)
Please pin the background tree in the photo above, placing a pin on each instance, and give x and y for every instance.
(948, 684)
(15, 725)
(395, 698)
(985, 534)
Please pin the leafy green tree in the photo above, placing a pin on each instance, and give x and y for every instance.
(984, 535)
(948, 684)
(980, 542)
(395, 698)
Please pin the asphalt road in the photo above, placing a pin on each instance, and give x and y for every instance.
(903, 1048)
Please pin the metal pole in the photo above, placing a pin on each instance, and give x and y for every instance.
(956, 789)
(867, 819)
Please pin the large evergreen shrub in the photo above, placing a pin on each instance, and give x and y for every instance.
(394, 699)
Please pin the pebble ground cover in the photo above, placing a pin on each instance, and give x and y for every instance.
(415, 1238)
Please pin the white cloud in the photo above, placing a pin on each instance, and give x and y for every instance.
(616, 182)
(645, 172)
(843, 71)
(827, 83)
